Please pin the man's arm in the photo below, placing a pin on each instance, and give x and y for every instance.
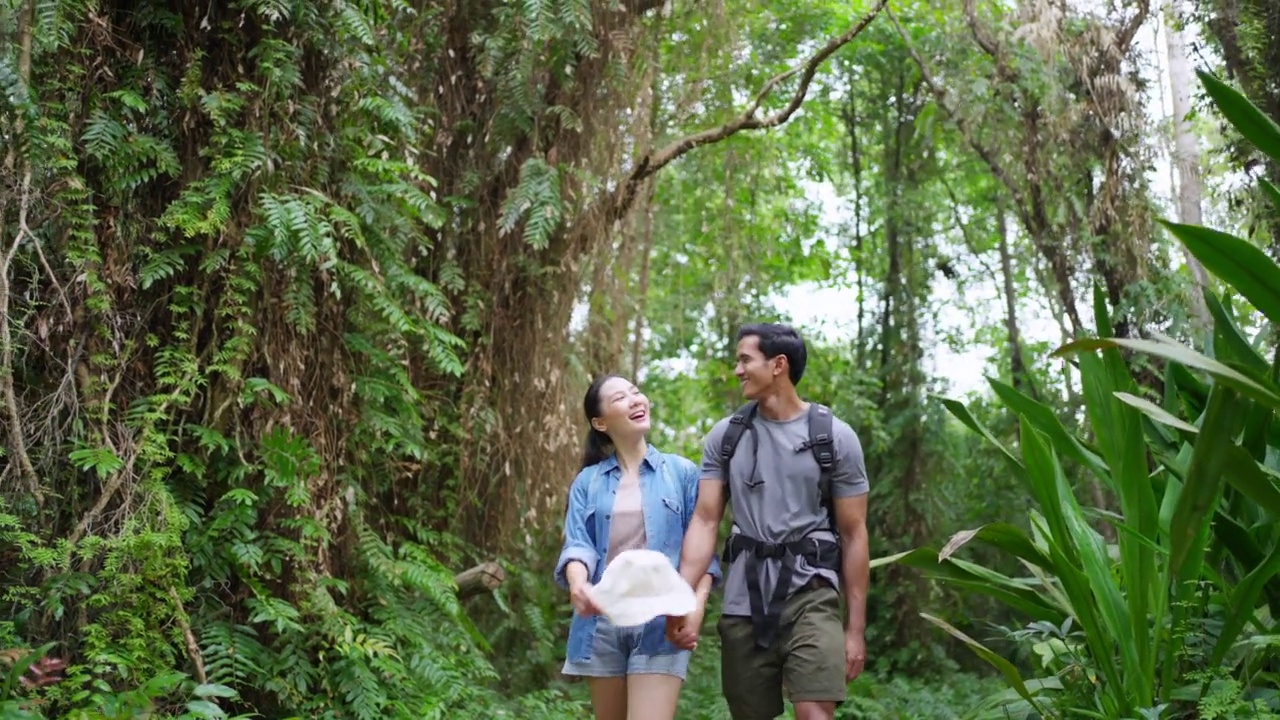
(855, 570)
(849, 490)
(700, 539)
(703, 590)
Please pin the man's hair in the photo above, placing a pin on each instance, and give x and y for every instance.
(776, 339)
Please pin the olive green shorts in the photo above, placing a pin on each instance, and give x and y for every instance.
(807, 657)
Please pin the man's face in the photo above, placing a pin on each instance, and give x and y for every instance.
(756, 374)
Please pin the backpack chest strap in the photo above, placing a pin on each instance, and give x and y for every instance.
(766, 615)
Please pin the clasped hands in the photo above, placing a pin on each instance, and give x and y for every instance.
(683, 630)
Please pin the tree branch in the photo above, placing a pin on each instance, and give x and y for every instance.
(983, 38)
(1130, 29)
(485, 577)
(193, 647)
(651, 163)
(962, 122)
(1028, 205)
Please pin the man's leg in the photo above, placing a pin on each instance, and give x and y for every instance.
(750, 676)
(814, 666)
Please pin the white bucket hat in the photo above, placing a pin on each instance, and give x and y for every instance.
(640, 585)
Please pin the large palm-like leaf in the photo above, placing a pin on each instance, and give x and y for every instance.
(1197, 502)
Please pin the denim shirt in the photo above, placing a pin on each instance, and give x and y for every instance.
(668, 495)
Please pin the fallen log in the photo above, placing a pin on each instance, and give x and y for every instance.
(483, 578)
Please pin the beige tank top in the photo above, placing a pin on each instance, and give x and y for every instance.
(626, 529)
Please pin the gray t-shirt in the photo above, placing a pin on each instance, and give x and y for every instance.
(787, 505)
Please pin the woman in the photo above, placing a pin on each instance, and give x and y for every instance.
(627, 496)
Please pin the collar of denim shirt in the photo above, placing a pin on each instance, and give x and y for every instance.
(651, 457)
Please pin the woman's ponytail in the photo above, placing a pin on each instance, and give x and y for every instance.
(598, 447)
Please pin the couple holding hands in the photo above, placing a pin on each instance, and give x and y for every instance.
(795, 478)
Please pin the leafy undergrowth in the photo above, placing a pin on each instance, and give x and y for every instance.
(884, 696)
(873, 695)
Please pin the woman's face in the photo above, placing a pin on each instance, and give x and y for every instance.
(624, 410)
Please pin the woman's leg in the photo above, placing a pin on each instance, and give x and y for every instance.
(609, 697)
(653, 685)
(606, 671)
(652, 696)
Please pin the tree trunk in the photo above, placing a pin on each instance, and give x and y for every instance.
(1186, 154)
(641, 294)
(1017, 363)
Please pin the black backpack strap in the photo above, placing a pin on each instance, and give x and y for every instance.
(739, 423)
(821, 443)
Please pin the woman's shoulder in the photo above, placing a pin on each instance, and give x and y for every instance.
(585, 474)
(678, 462)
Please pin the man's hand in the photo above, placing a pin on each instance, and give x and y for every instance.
(855, 654)
(580, 596)
(683, 631)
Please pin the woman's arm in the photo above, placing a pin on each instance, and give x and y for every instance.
(578, 556)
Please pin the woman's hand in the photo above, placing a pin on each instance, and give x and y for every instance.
(580, 597)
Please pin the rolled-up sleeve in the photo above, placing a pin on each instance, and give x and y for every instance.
(692, 479)
(577, 543)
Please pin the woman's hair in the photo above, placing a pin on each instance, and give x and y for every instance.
(599, 445)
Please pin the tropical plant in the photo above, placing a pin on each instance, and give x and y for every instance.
(1180, 608)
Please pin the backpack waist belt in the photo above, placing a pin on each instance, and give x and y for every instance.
(766, 617)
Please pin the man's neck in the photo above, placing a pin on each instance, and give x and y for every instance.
(782, 406)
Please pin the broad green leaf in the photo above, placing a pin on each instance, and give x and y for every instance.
(1239, 263)
(214, 690)
(1237, 540)
(1049, 585)
(1117, 521)
(1271, 191)
(962, 414)
(1002, 536)
(1168, 503)
(1017, 595)
(1244, 549)
(1252, 123)
(1257, 428)
(1191, 391)
(1246, 475)
(1169, 350)
(1205, 478)
(1230, 343)
(1048, 423)
(1243, 601)
(1118, 428)
(1006, 668)
(1008, 703)
(1155, 412)
(1101, 316)
(1076, 552)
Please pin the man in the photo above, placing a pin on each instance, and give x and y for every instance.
(781, 623)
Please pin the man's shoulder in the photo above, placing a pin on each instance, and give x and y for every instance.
(838, 425)
(718, 429)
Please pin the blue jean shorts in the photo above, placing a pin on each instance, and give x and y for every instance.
(614, 654)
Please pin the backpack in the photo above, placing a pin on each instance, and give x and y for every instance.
(820, 443)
